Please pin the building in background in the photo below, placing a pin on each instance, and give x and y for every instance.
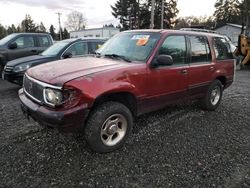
(104, 32)
(230, 30)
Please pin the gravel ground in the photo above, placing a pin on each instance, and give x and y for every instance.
(181, 146)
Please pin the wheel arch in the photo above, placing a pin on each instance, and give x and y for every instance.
(222, 79)
(126, 98)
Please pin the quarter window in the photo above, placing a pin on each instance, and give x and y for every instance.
(200, 51)
(25, 42)
(222, 49)
(43, 41)
(175, 46)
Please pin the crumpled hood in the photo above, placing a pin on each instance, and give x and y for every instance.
(30, 59)
(60, 72)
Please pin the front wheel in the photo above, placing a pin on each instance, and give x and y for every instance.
(213, 96)
(108, 127)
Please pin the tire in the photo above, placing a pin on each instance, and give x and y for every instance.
(213, 96)
(108, 127)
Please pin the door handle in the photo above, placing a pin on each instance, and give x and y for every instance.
(184, 71)
(211, 68)
(33, 50)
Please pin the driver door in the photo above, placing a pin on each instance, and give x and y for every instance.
(168, 83)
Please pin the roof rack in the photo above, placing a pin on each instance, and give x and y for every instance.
(199, 30)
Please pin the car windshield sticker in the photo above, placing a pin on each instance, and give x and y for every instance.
(142, 40)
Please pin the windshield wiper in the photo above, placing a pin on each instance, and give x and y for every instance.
(117, 56)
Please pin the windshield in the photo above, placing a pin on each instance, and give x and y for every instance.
(6, 39)
(133, 46)
(55, 48)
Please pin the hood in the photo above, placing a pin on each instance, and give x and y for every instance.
(60, 72)
(31, 60)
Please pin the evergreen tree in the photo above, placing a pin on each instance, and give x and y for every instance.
(52, 32)
(135, 14)
(28, 24)
(65, 34)
(3, 32)
(18, 29)
(227, 11)
(170, 13)
(42, 28)
(123, 10)
(191, 21)
(11, 29)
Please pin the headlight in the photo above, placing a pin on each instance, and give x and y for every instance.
(21, 68)
(53, 97)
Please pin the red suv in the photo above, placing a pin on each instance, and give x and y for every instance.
(133, 73)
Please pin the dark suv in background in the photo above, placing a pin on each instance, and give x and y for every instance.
(19, 45)
(15, 69)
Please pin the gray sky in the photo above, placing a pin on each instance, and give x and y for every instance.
(97, 12)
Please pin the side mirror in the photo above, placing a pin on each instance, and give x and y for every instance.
(67, 55)
(13, 45)
(165, 60)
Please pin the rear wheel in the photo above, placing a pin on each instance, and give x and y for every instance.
(213, 96)
(108, 127)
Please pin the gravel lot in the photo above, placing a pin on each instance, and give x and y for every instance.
(181, 146)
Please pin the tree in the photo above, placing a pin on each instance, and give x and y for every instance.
(135, 14)
(42, 28)
(65, 34)
(28, 25)
(192, 21)
(227, 11)
(170, 13)
(108, 25)
(245, 16)
(52, 32)
(11, 29)
(75, 21)
(3, 32)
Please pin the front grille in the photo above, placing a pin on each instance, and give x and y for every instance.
(33, 89)
(8, 68)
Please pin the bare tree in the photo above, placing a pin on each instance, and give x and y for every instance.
(75, 21)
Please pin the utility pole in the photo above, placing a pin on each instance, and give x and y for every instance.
(162, 13)
(152, 14)
(59, 21)
(138, 15)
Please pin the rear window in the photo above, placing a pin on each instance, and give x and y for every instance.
(222, 49)
(43, 41)
(200, 52)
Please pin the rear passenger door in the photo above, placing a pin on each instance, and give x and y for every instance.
(201, 67)
(43, 42)
(25, 47)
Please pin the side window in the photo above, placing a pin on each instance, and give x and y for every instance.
(43, 41)
(25, 42)
(77, 49)
(222, 49)
(175, 46)
(93, 46)
(200, 51)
